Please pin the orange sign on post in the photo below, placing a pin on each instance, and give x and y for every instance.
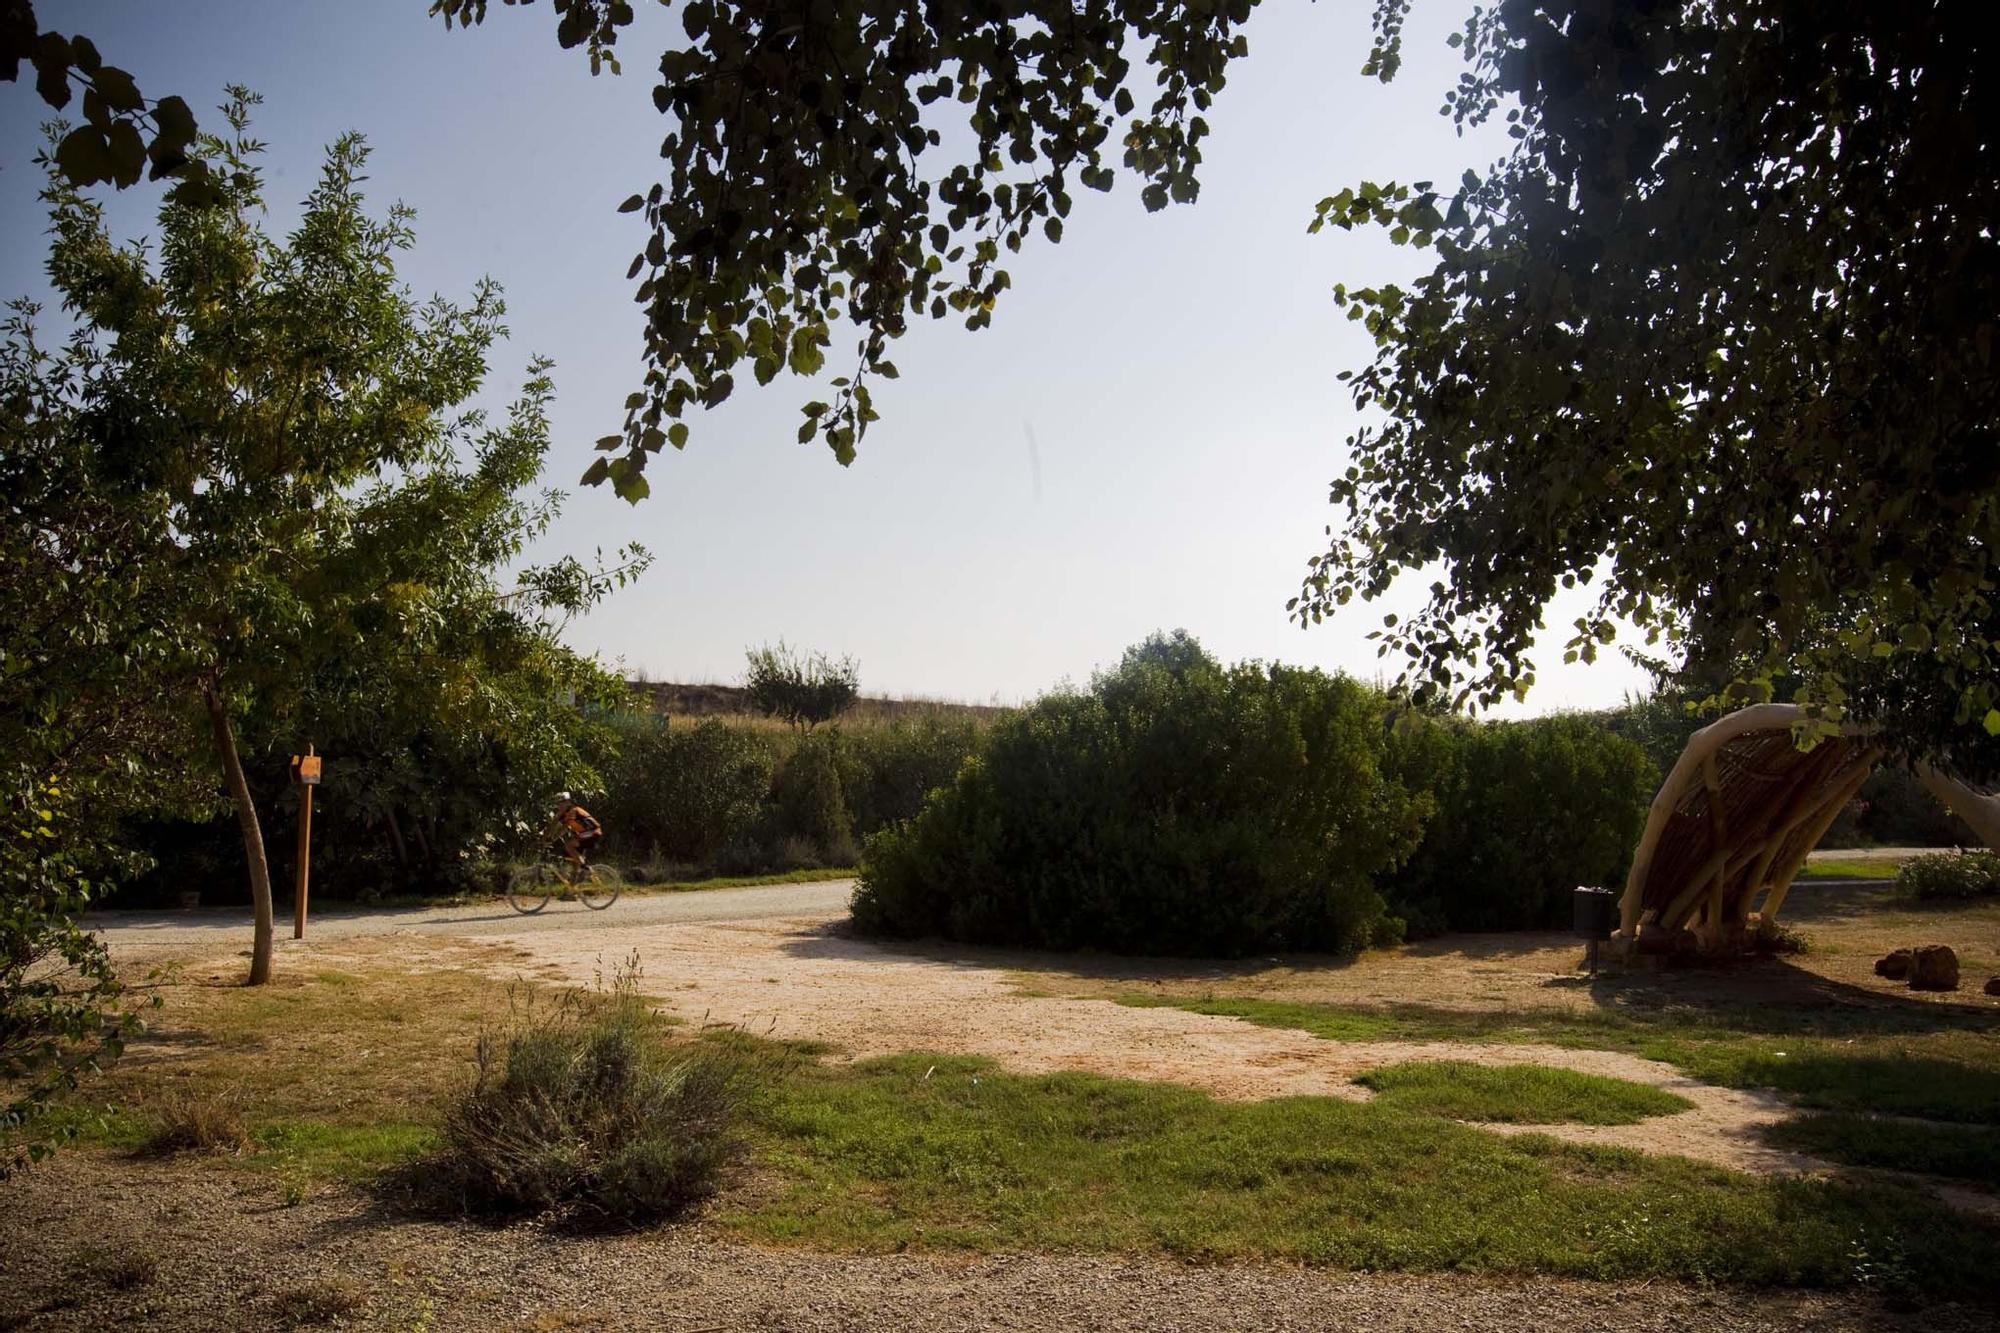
(305, 773)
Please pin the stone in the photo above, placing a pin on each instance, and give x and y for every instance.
(1895, 966)
(1934, 967)
(1993, 985)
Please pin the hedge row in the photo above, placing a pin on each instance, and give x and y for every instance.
(1183, 807)
(715, 796)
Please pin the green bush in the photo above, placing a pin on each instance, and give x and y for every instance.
(1526, 812)
(587, 1111)
(686, 793)
(809, 802)
(887, 772)
(1950, 876)
(1179, 807)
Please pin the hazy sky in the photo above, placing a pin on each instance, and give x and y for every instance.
(1142, 440)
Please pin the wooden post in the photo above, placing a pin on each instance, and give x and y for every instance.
(305, 772)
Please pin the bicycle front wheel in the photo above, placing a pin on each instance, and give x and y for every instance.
(530, 888)
(598, 887)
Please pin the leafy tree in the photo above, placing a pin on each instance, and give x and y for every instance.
(1671, 346)
(1717, 336)
(275, 429)
(805, 689)
(79, 715)
(123, 134)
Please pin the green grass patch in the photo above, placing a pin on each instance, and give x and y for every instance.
(323, 1150)
(746, 881)
(1963, 1152)
(945, 1152)
(1857, 867)
(1826, 1059)
(1517, 1094)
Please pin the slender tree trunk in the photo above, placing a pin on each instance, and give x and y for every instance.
(253, 835)
(423, 843)
(396, 833)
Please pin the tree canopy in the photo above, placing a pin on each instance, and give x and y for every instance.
(1715, 338)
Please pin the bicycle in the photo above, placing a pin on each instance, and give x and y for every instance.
(530, 888)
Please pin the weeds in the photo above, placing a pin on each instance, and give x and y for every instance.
(584, 1108)
(322, 1301)
(196, 1122)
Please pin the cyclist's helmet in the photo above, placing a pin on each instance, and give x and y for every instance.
(564, 798)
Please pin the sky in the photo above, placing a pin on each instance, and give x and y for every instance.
(1142, 440)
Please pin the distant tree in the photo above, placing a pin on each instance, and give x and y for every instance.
(805, 689)
(302, 525)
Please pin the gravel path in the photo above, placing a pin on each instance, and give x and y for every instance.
(88, 1243)
(229, 927)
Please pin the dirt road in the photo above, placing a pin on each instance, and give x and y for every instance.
(221, 926)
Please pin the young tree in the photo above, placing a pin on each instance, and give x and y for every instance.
(805, 689)
(276, 427)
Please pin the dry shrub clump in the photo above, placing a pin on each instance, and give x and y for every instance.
(325, 1300)
(197, 1122)
(585, 1108)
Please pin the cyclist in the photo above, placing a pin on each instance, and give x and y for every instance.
(577, 829)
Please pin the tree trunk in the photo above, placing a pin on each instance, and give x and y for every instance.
(253, 835)
(1980, 811)
(396, 834)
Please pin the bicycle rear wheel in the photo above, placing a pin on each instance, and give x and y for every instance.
(530, 888)
(598, 887)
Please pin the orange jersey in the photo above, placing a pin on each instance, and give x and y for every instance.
(579, 821)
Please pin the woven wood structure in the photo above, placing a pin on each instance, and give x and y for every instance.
(1731, 828)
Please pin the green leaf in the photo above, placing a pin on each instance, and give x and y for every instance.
(1992, 722)
(115, 86)
(632, 205)
(84, 156)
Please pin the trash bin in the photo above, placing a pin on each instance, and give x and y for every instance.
(1596, 913)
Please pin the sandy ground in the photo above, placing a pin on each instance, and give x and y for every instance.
(800, 978)
(174, 1246)
(784, 967)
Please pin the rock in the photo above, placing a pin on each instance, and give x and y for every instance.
(1895, 966)
(1993, 985)
(1934, 967)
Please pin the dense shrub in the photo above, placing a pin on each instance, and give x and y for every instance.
(685, 793)
(1950, 876)
(887, 771)
(1178, 807)
(808, 802)
(1525, 812)
(588, 1111)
